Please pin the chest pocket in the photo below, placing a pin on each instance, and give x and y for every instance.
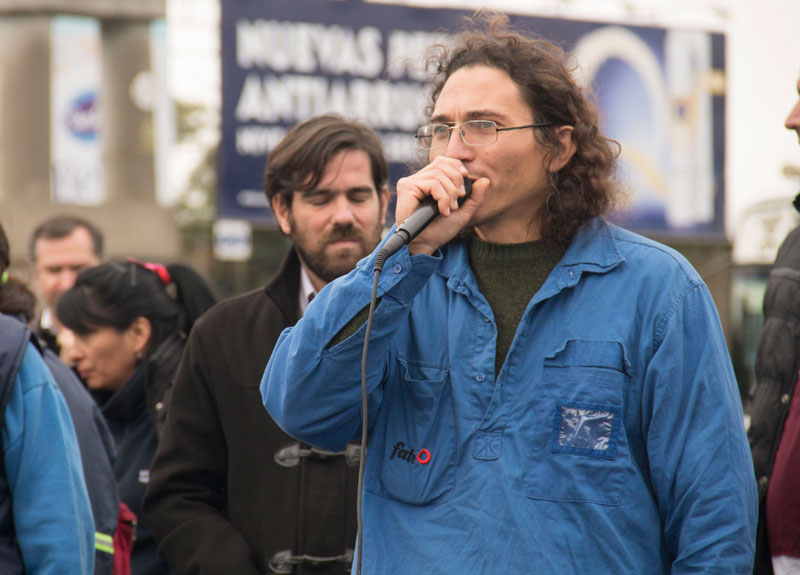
(412, 448)
(580, 449)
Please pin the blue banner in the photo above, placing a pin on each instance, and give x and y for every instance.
(660, 92)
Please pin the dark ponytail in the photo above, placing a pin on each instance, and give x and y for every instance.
(115, 294)
(192, 295)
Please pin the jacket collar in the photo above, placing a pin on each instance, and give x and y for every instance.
(129, 400)
(153, 376)
(594, 249)
(285, 285)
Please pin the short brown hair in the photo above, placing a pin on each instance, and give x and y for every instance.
(60, 226)
(299, 161)
(585, 187)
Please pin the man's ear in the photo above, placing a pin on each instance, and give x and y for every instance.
(281, 210)
(567, 148)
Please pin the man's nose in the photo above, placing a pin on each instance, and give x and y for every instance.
(66, 279)
(793, 119)
(343, 211)
(456, 148)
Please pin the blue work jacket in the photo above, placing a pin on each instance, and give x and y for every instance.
(47, 510)
(611, 442)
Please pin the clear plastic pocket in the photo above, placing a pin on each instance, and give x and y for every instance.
(580, 454)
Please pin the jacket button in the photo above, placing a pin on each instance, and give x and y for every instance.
(397, 268)
(763, 480)
(785, 399)
(480, 377)
(159, 406)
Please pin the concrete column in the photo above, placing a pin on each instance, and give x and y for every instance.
(127, 131)
(24, 108)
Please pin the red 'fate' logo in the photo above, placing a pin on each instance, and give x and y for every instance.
(400, 452)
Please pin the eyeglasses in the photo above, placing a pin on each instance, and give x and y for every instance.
(473, 133)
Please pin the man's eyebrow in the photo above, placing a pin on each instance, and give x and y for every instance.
(328, 191)
(315, 193)
(471, 115)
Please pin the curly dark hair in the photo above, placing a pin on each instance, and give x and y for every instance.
(586, 186)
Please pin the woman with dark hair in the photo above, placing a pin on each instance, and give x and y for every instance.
(130, 322)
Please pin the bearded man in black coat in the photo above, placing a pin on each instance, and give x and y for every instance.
(229, 491)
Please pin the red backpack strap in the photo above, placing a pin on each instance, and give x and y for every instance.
(124, 536)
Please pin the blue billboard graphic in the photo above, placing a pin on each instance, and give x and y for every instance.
(660, 93)
(82, 118)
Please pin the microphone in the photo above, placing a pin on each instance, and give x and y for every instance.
(413, 225)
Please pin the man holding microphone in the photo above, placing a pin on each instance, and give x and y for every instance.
(547, 392)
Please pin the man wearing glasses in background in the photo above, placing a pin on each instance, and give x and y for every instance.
(548, 393)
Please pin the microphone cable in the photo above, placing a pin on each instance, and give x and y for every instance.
(364, 436)
(418, 221)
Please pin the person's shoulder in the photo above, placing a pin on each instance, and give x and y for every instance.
(33, 371)
(648, 255)
(19, 357)
(243, 307)
(66, 380)
(789, 251)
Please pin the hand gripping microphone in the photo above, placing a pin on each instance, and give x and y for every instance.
(426, 212)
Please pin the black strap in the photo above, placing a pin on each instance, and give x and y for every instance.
(15, 338)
